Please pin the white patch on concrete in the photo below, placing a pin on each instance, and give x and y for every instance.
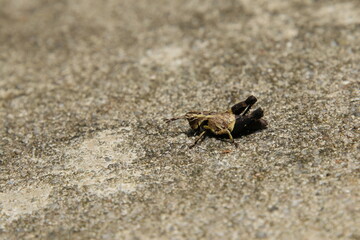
(340, 13)
(100, 151)
(89, 162)
(171, 56)
(84, 166)
(267, 24)
(23, 201)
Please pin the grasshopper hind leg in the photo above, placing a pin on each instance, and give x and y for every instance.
(223, 132)
(231, 138)
(244, 106)
(257, 122)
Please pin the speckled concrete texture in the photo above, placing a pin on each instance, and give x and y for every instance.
(85, 86)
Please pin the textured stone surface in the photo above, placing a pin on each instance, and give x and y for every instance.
(84, 86)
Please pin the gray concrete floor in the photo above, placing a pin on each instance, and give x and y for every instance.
(84, 88)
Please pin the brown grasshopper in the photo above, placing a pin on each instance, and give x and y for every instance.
(231, 122)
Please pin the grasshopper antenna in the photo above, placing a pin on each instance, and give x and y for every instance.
(167, 120)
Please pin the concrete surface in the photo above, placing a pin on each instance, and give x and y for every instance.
(84, 86)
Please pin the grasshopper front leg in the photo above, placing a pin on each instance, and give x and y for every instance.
(201, 136)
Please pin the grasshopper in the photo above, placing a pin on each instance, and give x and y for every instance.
(231, 122)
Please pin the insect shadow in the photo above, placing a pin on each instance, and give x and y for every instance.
(232, 123)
